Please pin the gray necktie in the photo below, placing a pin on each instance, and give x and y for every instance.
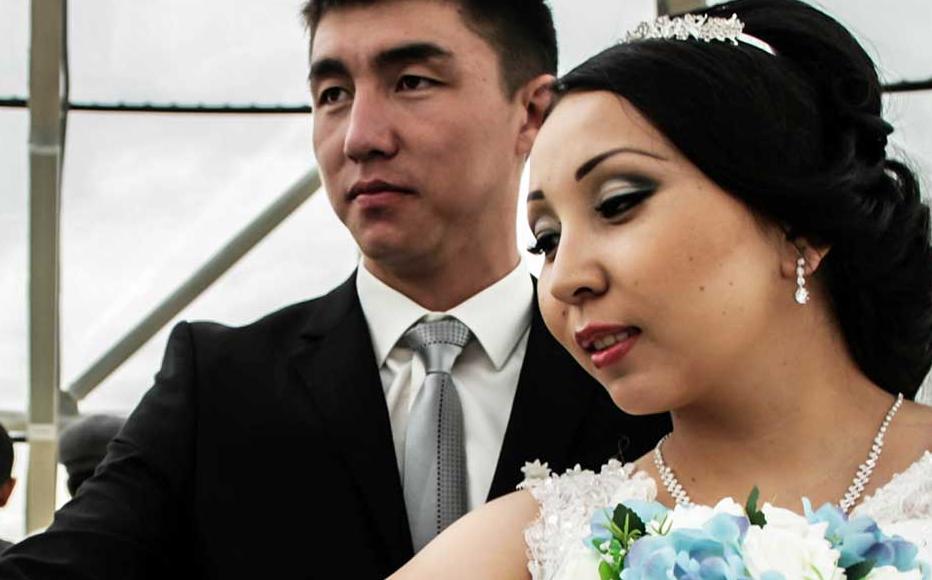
(435, 450)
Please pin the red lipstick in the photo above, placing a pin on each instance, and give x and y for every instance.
(607, 344)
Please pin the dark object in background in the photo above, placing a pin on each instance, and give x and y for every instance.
(6, 474)
(83, 445)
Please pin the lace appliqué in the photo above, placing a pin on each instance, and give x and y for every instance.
(904, 505)
(567, 503)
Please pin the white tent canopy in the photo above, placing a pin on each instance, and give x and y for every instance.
(146, 199)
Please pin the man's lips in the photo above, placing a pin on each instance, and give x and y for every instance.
(376, 187)
(607, 343)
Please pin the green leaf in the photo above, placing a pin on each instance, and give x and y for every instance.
(606, 572)
(628, 521)
(859, 570)
(755, 516)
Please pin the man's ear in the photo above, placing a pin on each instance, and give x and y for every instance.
(6, 489)
(535, 97)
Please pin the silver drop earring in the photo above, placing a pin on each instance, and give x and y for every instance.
(802, 295)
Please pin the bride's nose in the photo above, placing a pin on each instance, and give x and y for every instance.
(576, 273)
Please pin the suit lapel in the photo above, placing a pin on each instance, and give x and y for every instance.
(546, 412)
(338, 367)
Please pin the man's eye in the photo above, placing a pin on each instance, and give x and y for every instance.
(414, 83)
(616, 205)
(545, 243)
(331, 95)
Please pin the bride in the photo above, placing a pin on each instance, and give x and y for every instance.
(726, 239)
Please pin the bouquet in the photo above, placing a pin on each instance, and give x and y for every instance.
(640, 540)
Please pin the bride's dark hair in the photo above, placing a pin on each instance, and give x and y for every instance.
(799, 138)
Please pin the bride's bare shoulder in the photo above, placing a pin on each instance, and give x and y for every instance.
(485, 543)
(915, 427)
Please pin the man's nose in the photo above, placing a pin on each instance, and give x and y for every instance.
(370, 134)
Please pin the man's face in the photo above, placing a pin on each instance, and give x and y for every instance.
(417, 143)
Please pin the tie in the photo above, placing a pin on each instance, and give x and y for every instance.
(435, 451)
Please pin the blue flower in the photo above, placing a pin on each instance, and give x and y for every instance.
(860, 540)
(711, 553)
(601, 528)
(648, 511)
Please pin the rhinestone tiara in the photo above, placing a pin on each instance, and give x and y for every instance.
(698, 26)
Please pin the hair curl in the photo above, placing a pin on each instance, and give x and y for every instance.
(799, 138)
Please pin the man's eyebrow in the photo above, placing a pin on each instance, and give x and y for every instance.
(402, 54)
(411, 52)
(326, 68)
(536, 195)
(588, 166)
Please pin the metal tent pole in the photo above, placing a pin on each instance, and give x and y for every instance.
(672, 7)
(45, 146)
(206, 275)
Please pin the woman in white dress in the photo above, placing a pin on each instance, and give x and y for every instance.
(726, 239)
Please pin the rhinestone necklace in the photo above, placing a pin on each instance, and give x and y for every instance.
(863, 475)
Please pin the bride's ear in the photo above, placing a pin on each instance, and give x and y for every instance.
(795, 248)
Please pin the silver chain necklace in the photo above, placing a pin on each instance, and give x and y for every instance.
(861, 478)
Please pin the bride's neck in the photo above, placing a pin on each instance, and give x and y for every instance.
(786, 416)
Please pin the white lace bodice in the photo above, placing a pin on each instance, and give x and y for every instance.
(555, 539)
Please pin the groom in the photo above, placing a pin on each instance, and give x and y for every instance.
(279, 449)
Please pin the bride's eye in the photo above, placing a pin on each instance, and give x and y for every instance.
(546, 237)
(621, 198)
(545, 243)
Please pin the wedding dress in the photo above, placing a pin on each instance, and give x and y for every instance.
(903, 506)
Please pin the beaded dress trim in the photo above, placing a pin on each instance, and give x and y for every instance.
(555, 539)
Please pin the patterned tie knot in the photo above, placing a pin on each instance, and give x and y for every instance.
(438, 343)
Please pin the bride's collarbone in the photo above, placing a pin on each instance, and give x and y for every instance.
(824, 481)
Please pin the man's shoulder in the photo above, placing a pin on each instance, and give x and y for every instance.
(287, 323)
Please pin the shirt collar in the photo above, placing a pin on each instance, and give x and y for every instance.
(498, 316)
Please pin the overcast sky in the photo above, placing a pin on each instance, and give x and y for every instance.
(148, 198)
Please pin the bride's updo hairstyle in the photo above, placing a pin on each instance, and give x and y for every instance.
(799, 138)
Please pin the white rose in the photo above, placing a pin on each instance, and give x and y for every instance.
(794, 552)
(695, 516)
(891, 573)
(783, 519)
(582, 564)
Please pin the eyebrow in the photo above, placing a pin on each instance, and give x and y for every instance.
(403, 54)
(412, 52)
(536, 195)
(327, 68)
(588, 166)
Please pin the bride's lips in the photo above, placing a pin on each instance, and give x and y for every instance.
(607, 344)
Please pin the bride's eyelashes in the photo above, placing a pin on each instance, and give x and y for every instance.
(620, 195)
(546, 236)
(623, 195)
(545, 243)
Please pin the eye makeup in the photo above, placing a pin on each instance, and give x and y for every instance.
(546, 236)
(620, 194)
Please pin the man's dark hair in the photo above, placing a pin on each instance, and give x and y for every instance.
(800, 139)
(520, 31)
(6, 456)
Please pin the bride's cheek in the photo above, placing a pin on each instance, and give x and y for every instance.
(555, 315)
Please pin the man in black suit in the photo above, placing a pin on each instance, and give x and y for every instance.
(275, 450)
(7, 481)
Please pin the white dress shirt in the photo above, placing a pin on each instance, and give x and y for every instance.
(485, 374)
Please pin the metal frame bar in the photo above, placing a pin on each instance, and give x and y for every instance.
(45, 147)
(206, 275)
(120, 107)
(673, 7)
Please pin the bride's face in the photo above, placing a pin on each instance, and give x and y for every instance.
(656, 280)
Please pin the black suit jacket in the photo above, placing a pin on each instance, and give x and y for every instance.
(266, 452)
